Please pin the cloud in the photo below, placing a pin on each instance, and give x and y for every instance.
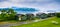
(2, 0)
(42, 5)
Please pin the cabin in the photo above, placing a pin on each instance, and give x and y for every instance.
(42, 15)
(19, 16)
(24, 17)
(30, 16)
(51, 14)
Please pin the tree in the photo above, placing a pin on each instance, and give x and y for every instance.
(58, 15)
(11, 14)
(3, 11)
(8, 14)
(3, 14)
(11, 11)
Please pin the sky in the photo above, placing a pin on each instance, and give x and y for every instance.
(42, 5)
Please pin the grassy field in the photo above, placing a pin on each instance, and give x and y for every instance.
(8, 22)
(45, 23)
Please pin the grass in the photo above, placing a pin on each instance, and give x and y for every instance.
(8, 22)
(45, 23)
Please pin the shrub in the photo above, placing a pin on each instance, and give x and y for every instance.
(58, 14)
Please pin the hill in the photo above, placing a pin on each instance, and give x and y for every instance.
(45, 23)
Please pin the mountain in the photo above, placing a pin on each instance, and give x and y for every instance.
(30, 10)
(22, 10)
(51, 11)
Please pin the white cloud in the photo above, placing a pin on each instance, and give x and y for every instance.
(42, 5)
(5, 4)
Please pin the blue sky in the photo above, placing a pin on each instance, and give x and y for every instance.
(42, 5)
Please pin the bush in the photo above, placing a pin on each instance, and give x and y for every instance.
(58, 14)
(7, 15)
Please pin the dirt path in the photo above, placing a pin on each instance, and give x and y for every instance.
(20, 23)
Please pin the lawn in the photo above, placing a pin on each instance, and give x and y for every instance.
(45, 23)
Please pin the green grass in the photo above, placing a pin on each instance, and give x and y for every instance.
(45, 23)
(8, 22)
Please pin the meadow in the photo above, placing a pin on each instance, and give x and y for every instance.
(44, 23)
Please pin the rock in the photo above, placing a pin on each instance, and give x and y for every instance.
(54, 22)
(36, 20)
